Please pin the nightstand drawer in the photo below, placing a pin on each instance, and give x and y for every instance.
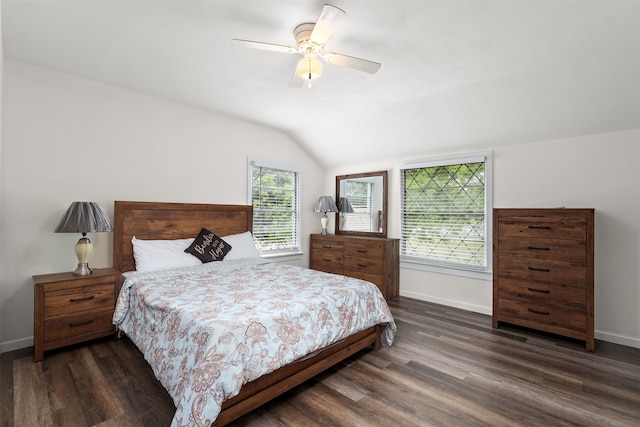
(73, 300)
(72, 325)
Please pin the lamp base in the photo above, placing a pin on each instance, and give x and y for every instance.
(82, 270)
(324, 221)
(83, 250)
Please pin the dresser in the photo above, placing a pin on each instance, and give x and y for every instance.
(70, 309)
(374, 259)
(543, 270)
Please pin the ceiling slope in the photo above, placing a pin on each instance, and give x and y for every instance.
(455, 74)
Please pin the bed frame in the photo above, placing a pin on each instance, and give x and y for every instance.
(151, 220)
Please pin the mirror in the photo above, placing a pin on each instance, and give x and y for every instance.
(362, 204)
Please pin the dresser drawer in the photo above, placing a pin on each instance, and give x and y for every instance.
(373, 259)
(73, 325)
(569, 251)
(363, 265)
(327, 256)
(554, 227)
(534, 270)
(73, 300)
(376, 279)
(559, 319)
(543, 293)
(326, 246)
(364, 251)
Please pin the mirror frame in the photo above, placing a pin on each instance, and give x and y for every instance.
(383, 233)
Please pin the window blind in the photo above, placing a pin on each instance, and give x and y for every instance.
(444, 212)
(274, 196)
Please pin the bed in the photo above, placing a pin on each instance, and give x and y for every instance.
(172, 221)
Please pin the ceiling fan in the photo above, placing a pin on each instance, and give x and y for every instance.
(310, 41)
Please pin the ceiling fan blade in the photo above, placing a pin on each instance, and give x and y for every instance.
(264, 46)
(327, 22)
(352, 62)
(296, 80)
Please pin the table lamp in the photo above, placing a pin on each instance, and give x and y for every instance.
(84, 217)
(325, 204)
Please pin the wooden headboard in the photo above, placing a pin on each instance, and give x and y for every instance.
(161, 221)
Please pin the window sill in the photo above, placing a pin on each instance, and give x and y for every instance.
(283, 256)
(473, 274)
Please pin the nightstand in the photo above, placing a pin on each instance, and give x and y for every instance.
(70, 309)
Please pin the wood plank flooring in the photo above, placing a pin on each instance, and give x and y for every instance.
(447, 367)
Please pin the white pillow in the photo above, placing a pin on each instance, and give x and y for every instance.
(152, 255)
(242, 246)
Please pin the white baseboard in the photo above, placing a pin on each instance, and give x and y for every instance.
(16, 344)
(448, 303)
(618, 339)
(600, 335)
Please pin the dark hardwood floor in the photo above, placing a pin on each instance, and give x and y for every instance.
(447, 367)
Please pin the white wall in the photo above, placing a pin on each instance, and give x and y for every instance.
(67, 139)
(1, 83)
(596, 171)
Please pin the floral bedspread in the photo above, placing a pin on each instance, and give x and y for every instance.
(207, 330)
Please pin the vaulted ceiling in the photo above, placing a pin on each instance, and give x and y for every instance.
(455, 75)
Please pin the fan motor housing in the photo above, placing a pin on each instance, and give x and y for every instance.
(303, 36)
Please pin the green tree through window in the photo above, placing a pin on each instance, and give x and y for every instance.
(274, 196)
(444, 216)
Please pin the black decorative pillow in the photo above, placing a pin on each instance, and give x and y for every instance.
(208, 247)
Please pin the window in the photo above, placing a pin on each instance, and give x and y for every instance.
(446, 213)
(359, 194)
(274, 193)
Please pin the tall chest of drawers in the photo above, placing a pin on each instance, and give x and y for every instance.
(374, 259)
(543, 270)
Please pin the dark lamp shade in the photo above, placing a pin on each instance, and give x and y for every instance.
(84, 217)
(325, 204)
(345, 205)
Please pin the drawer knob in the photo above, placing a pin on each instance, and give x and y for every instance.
(545, 313)
(362, 265)
(540, 227)
(545, 270)
(542, 291)
(362, 251)
(326, 260)
(81, 299)
(533, 248)
(80, 323)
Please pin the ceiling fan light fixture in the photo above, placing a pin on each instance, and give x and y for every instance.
(309, 68)
(310, 41)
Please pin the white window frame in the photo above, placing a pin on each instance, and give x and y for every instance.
(283, 254)
(424, 264)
